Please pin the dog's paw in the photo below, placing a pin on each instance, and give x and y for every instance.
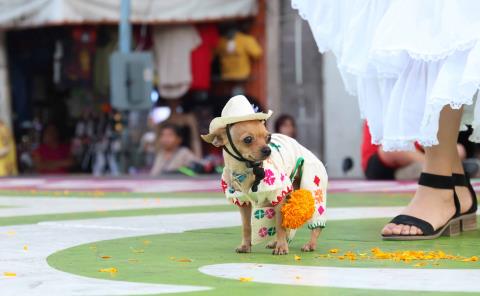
(309, 247)
(271, 245)
(281, 249)
(243, 249)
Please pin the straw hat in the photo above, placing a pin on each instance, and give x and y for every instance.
(237, 109)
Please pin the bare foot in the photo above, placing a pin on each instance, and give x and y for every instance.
(281, 248)
(244, 248)
(271, 245)
(435, 206)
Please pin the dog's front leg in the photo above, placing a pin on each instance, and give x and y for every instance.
(281, 246)
(246, 245)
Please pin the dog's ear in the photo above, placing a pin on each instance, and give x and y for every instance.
(217, 138)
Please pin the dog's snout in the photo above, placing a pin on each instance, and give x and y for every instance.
(266, 151)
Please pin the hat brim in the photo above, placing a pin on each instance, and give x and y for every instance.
(221, 122)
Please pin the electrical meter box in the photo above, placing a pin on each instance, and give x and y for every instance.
(131, 76)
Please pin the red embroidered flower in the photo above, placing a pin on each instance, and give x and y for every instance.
(316, 180)
(224, 185)
(282, 177)
(263, 232)
(321, 210)
(270, 213)
(269, 177)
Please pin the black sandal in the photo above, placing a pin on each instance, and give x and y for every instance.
(451, 228)
(468, 219)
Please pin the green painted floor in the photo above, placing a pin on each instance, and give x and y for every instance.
(175, 258)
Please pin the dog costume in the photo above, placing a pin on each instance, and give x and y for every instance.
(287, 161)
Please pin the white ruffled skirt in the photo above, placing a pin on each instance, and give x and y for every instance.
(404, 60)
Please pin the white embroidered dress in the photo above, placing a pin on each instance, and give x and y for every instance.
(404, 59)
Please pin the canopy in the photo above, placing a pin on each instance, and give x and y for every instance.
(30, 13)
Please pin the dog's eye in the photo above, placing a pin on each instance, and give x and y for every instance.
(248, 140)
(269, 138)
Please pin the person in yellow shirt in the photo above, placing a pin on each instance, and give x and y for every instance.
(236, 54)
(8, 158)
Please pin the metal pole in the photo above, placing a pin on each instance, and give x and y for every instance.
(125, 28)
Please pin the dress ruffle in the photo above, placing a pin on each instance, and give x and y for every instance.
(405, 60)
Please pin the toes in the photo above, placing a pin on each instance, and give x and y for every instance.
(387, 230)
(271, 245)
(413, 230)
(243, 249)
(397, 229)
(405, 230)
(418, 231)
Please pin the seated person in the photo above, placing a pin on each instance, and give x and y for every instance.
(285, 124)
(171, 155)
(401, 165)
(52, 156)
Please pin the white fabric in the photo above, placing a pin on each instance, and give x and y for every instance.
(404, 59)
(24, 13)
(172, 47)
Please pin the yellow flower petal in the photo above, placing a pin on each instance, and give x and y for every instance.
(246, 279)
(106, 257)
(9, 274)
(184, 260)
(110, 270)
(297, 258)
(333, 251)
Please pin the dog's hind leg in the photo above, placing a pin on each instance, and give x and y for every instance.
(246, 213)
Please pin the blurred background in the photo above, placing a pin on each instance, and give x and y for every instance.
(116, 87)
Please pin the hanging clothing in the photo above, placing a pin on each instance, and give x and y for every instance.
(202, 57)
(173, 46)
(405, 60)
(236, 55)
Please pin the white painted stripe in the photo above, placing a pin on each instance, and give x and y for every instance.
(444, 280)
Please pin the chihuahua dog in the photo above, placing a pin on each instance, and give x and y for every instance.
(248, 146)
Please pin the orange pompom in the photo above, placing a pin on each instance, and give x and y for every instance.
(298, 209)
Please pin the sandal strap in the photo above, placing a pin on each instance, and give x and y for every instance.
(436, 181)
(441, 182)
(460, 180)
(464, 181)
(423, 225)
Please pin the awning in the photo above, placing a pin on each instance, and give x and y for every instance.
(32, 13)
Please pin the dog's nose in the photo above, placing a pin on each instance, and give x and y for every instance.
(266, 151)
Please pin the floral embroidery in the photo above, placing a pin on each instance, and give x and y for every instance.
(224, 185)
(269, 177)
(259, 214)
(318, 195)
(270, 213)
(263, 232)
(282, 177)
(321, 210)
(316, 180)
(272, 231)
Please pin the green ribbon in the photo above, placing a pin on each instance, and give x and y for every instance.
(298, 167)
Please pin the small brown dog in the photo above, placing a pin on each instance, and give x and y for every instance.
(257, 166)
